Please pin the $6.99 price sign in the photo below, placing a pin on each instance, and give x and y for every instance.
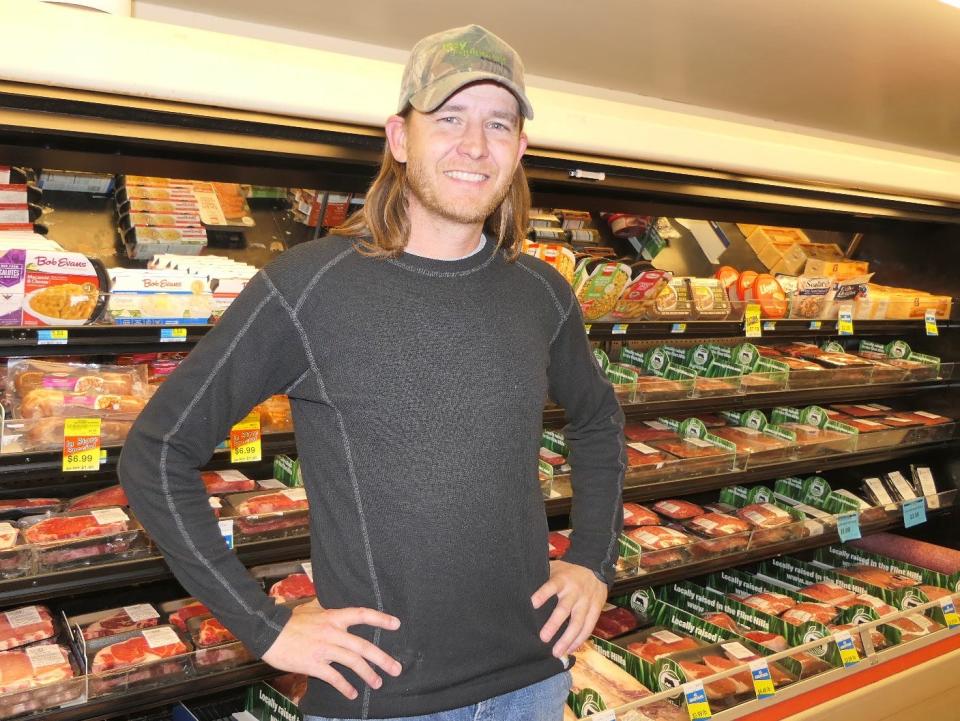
(81, 444)
(245, 443)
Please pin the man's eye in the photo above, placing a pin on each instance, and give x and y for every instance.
(499, 126)
(448, 119)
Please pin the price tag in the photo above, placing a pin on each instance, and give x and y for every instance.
(307, 567)
(696, 698)
(226, 530)
(848, 526)
(930, 322)
(103, 456)
(52, 337)
(738, 650)
(159, 637)
(26, 616)
(762, 683)
(848, 652)
(587, 327)
(949, 612)
(141, 612)
(769, 325)
(173, 335)
(245, 443)
(845, 322)
(815, 325)
(914, 512)
(751, 320)
(608, 715)
(105, 516)
(81, 444)
(45, 655)
(619, 329)
(678, 328)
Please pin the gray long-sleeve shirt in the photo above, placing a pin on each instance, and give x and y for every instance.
(417, 388)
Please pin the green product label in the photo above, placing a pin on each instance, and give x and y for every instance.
(656, 361)
(676, 355)
(745, 355)
(831, 346)
(929, 360)
(629, 548)
(815, 491)
(869, 346)
(602, 359)
(622, 374)
(836, 503)
(791, 487)
(760, 494)
(629, 662)
(897, 349)
(675, 372)
(287, 471)
(753, 419)
(721, 442)
(785, 414)
(732, 417)
(652, 243)
(693, 428)
(267, 704)
(719, 369)
(777, 432)
(642, 601)
(667, 674)
(769, 366)
(545, 468)
(580, 274)
(814, 416)
(698, 357)
(632, 357)
(554, 441)
(673, 425)
(586, 702)
(722, 353)
(841, 428)
(735, 496)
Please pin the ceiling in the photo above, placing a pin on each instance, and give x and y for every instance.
(880, 69)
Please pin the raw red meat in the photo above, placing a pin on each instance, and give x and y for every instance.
(271, 503)
(926, 418)
(28, 505)
(614, 621)
(636, 515)
(919, 553)
(56, 556)
(654, 538)
(232, 655)
(133, 652)
(104, 498)
(63, 528)
(742, 680)
(803, 612)
(25, 625)
(17, 673)
(690, 448)
(861, 410)
(226, 482)
(646, 431)
(719, 663)
(722, 620)
(773, 641)
(212, 633)
(770, 603)
(254, 526)
(291, 685)
(294, 586)
(865, 599)
(640, 454)
(557, 544)
(654, 648)
(116, 623)
(876, 637)
(935, 593)
(554, 459)
(829, 592)
(715, 525)
(677, 510)
(915, 626)
(661, 559)
(183, 614)
(876, 577)
(716, 690)
(765, 515)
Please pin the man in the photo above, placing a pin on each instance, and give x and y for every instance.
(417, 351)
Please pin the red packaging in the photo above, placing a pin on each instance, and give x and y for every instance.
(677, 510)
(636, 515)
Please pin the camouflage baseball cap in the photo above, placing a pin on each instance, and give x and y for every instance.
(441, 64)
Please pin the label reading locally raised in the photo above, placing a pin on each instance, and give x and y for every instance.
(930, 322)
(226, 530)
(696, 698)
(762, 682)
(52, 337)
(848, 526)
(173, 335)
(845, 322)
(159, 637)
(103, 516)
(914, 512)
(949, 612)
(141, 612)
(81, 444)
(848, 652)
(751, 320)
(245, 445)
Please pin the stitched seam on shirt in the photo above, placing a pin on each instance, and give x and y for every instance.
(621, 461)
(313, 281)
(165, 481)
(297, 382)
(563, 319)
(442, 273)
(553, 296)
(351, 469)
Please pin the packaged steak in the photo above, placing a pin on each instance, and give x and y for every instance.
(144, 657)
(677, 510)
(37, 678)
(656, 538)
(14, 508)
(558, 543)
(757, 446)
(644, 461)
(104, 498)
(876, 577)
(182, 610)
(697, 455)
(659, 642)
(925, 418)
(873, 434)
(116, 621)
(636, 515)
(615, 621)
(229, 481)
(829, 592)
(654, 388)
(293, 587)
(271, 514)
(83, 537)
(862, 410)
(765, 515)
(646, 431)
(813, 441)
(718, 525)
(810, 611)
(770, 603)
(217, 649)
(24, 625)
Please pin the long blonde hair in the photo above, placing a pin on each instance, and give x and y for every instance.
(382, 225)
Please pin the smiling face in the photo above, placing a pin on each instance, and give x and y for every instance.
(461, 157)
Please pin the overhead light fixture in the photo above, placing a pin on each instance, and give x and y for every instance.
(951, 3)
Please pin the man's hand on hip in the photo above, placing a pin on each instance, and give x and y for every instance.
(580, 597)
(315, 638)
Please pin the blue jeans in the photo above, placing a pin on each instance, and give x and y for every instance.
(541, 701)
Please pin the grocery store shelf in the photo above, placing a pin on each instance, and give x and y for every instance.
(87, 579)
(96, 340)
(780, 329)
(138, 701)
(670, 487)
(691, 570)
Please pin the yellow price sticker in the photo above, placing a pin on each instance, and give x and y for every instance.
(930, 321)
(245, 440)
(949, 612)
(81, 444)
(751, 319)
(848, 652)
(762, 682)
(587, 327)
(697, 707)
(845, 322)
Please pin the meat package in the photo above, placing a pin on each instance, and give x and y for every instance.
(614, 685)
(697, 455)
(770, 603)
(810, 611)
(677, 510)
(661, 642)
(147, 656)
(646, 431)
(756, 446)
(37, 678)
(293, 587)
(772, 523)
(813, 441)
(876, 577)
(636, 515)
(16, 558)
(722, 620)
(104, 498)
(270, 514)
(829, 592)
(877, 638)
(217, 648)
(657, 538)
(614, 621)
(644, 460)
(557, 544)
(230, 481)
(25, 625)
(717, 691)
(14, 508)
(180, 612)
(116, 621)
(721, 533)
(83, 537)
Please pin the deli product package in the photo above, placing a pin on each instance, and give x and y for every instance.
(50, 288)
(43, 434)
(136, 659)
(77, 538)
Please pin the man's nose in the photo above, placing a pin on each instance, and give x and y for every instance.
(473, 142)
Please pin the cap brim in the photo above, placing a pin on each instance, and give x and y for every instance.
(433, 96)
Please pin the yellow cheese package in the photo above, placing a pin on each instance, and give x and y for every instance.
(559, 256)
(600, 291)
(639, 295)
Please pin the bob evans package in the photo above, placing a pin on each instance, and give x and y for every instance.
(158, 297)
(41, 287)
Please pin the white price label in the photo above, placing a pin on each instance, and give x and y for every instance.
(668, 506)
(307, 567)
(699, 442)
(737, 650)
(642, 448)
(141, 612)
(48, 654)
(927, 414)
(900, 483)
(26, 616)
(160, 637)
(104, 516)
(232, 476)
(666, 636)
(226, 530)
(656, 425)
(295, 494)
(271, 484)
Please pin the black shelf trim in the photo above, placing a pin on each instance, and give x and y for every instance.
(663, 329)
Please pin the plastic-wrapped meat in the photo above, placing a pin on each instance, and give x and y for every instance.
(294, 586)
(716, 690)
(640, 455)
(646, 431)
(25, 625)
(614, 685)
(677, 510)
(56, 556)
(800, 364)
(925, 418)
(8, 539)
(557, 544)
(934, 593)
(773, 641)
(656, 711)
(291, 685)
(554, 459)
(269, 524)
(722, 620)
(183, 614)
(104, 498)
(915, 626)
(656, 560)
(742, 680)
(226, 482)
(716, 525)
(653, 648)
(861, 410)
(213, 633)
(865, 599)
(750, 440)
(770, 603)
(655, 538)
(803, 612)
(690, 448)
(719, 663)
(63, 528)
(135, 651)
(24, 506)
(765, 515)
(901, 420)
(829, 592)
(271, 503)
(636, 515)
(865, 425)
(116, 623)
(878, 640)
(25, 669)
(876, 577)
(615, 621)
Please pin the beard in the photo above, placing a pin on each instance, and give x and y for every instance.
(419, 183)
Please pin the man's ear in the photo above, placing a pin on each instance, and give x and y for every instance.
(522, 149)
(396, 130)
